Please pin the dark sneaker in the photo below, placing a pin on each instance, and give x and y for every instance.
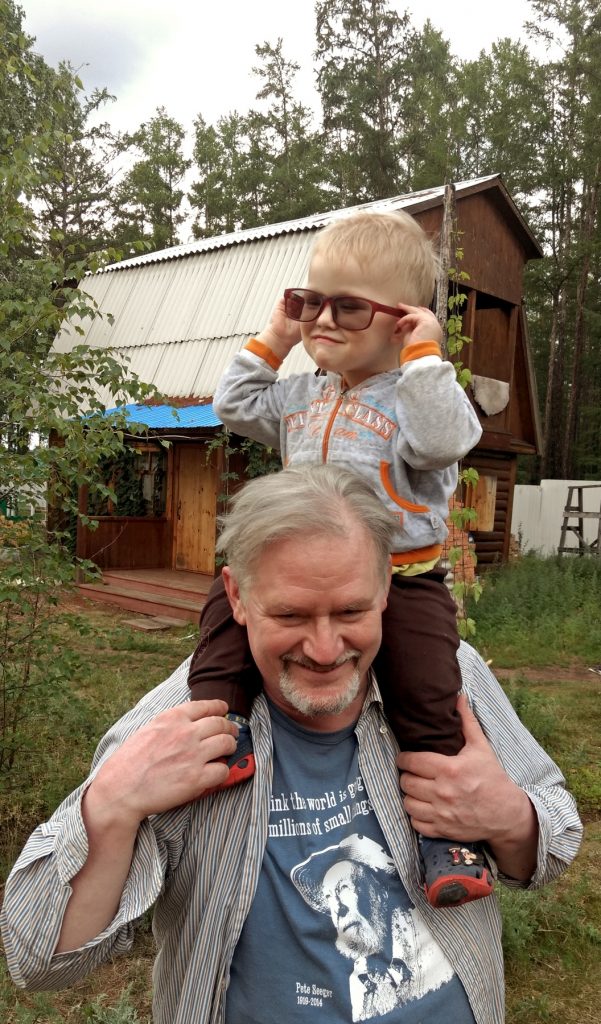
(242, 762)
(454, 872)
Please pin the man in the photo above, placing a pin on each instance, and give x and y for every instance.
(307, 574)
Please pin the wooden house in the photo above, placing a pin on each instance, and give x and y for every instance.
(181, 314)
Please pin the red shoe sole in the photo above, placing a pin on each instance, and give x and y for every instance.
(454, 890)
(241, 771)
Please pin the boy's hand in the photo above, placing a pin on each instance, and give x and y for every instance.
(281, 333)
(417, 324)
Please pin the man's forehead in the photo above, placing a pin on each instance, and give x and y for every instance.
(343, 868)
(352, 536)
(331, 570)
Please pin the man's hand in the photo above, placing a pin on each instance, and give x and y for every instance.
(417, 324)
(470, 797)
(168, 762)
(281, 333)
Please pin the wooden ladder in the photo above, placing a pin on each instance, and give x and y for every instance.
(575, 511)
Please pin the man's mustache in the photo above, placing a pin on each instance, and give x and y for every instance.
(315, 666)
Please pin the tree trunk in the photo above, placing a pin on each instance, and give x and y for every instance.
(551, 460)
(591, 199)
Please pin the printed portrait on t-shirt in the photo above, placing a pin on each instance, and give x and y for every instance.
(353, 883)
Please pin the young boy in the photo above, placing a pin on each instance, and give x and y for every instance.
(387, 406)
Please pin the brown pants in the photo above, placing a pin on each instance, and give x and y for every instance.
(416, 666)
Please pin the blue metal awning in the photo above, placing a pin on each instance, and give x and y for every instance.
(162, 417)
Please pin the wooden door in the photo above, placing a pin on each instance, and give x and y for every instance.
(195, 494)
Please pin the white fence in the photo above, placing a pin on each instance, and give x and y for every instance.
(537, 515)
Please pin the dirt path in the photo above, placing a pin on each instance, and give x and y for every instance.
(577, 673)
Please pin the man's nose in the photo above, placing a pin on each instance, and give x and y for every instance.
(338, 910)
(323, 642)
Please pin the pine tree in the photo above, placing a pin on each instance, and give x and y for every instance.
(501, 120)
(148, 200)
(568, 339)
(74, 188)
(427, 129)
(219, 154)
(292, 153)
(262, 166)
(362, 51)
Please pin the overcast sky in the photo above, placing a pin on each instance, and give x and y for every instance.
(194, 56)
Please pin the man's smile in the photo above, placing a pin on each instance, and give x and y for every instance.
(313, 666)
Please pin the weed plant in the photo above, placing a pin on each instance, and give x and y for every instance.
(541, 611)
(42, 1008)
(99, 671)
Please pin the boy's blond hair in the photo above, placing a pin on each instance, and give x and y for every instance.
(388, 246)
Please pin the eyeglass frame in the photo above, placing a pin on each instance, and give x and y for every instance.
(376, 307)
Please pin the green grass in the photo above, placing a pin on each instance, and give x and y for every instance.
(541, 612)
(533, 614)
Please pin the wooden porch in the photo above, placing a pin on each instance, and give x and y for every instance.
(164, 592)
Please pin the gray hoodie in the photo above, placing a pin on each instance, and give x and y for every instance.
(402, 430)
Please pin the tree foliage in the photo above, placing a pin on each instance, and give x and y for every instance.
(148, 199)
(73, 184)
(261, 167)
(565, 286)
(362, 49)
(42, 396)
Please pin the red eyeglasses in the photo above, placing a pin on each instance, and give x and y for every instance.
(348, 311)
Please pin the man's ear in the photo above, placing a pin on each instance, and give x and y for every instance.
(387, 584)
(233, 595)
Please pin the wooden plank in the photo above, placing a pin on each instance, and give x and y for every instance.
(492, 546)
(143, 602)
(127, 543)
(482, 498)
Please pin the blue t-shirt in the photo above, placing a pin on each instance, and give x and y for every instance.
(332, 935)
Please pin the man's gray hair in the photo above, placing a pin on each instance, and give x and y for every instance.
(304, 501)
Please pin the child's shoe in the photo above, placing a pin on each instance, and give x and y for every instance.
(454, 872)
(242, 762)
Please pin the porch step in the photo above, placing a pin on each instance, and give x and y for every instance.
(172, 603)
(189, 585)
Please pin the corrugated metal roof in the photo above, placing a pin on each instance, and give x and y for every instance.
(311, 223)
(168, 417)
(221, 294)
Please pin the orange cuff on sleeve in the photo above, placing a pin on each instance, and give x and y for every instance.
(264, 352)
(419, 349)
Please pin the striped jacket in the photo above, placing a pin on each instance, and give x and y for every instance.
(199, 864)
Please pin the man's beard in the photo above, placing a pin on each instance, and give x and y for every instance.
(314, 704)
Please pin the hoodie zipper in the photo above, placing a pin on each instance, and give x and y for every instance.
(330, 424)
